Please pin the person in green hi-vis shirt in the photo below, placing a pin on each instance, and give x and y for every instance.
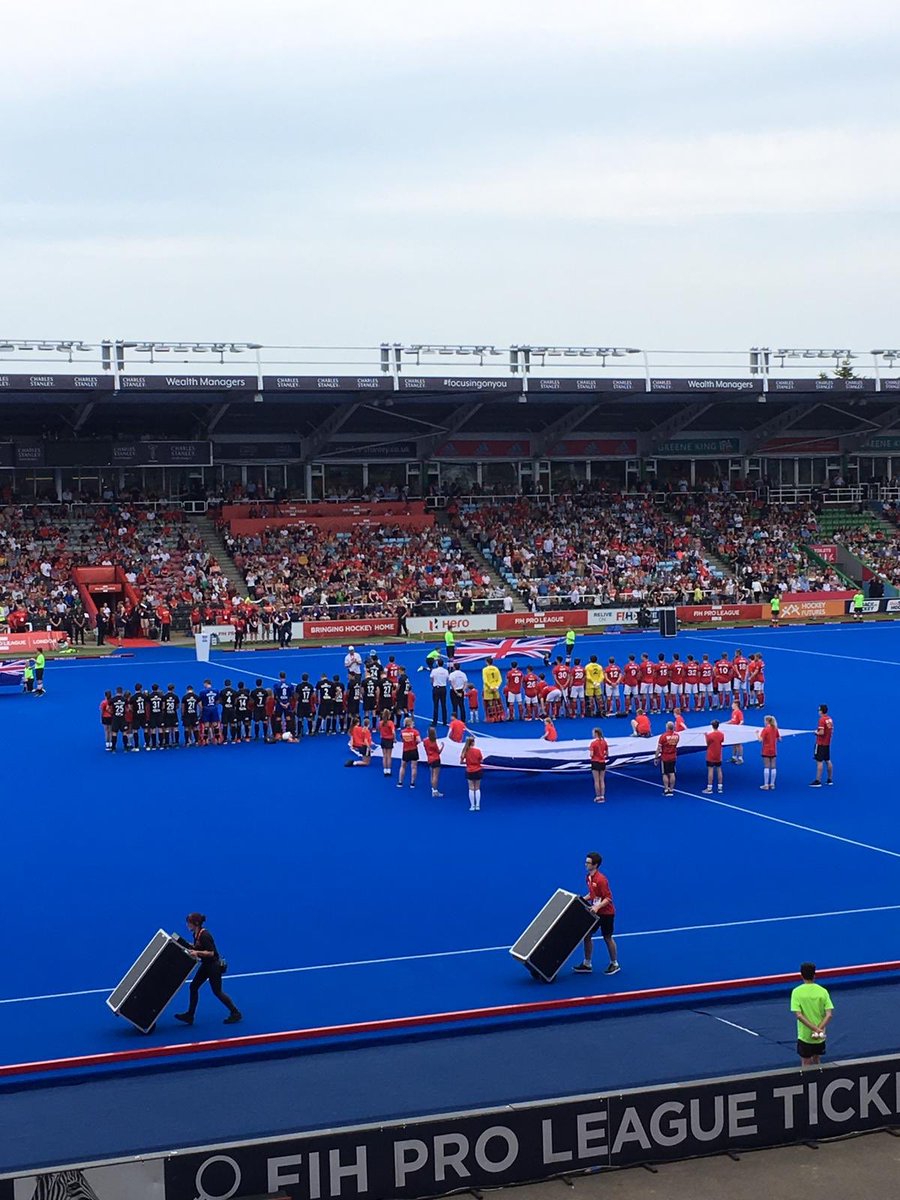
(450, 644)
(570, 644)
(775, 607)
(859, 601)
(811, 1005)
(39, 663)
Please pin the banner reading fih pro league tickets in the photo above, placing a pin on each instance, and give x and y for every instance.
(515, 1144)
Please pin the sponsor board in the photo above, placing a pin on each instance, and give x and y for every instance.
(41, 640)
(364, 627)
(220, 633)
(613, 616)
(692, 613)
(826, 553)
(500, 1147)
(141, 1180)
(875, 606)
(576, 618)
(798, 610)
(459, 624)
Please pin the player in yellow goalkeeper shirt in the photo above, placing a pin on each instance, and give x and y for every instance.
(491, 681)
(593, 686)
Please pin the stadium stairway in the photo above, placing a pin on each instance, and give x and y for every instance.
(508, 585)
(206, 528)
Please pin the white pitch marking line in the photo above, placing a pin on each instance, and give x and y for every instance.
(883, 662)
(374, 962)
(752, 812)
(742, 1028)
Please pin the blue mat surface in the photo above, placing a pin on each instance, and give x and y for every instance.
(338, 898)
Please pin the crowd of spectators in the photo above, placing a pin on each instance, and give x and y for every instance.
(593, 548)
(368, 571)
(761, 544)
(163, 560)
(876, 547)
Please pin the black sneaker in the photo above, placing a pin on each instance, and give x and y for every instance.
(583, 969)
(233, 1018)
(612, 969)
(186, 1017)
(816, 783)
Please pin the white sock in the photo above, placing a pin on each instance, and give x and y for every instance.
(766, 776)
(772, 776)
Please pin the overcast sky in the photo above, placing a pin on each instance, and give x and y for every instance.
(654, 173)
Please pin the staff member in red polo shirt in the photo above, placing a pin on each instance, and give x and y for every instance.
(667, 753)
(599, 752)
(409, 738)
(600, 899)
(473, 758)
(715, 740)
(824, 732)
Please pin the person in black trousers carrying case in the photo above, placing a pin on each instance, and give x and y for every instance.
(212, 967)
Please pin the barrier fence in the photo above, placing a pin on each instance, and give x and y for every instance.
(795, 606)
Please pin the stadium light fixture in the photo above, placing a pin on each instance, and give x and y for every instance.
(806, 353)
(45, 346)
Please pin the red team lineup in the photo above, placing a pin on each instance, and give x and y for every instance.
(373, 702)
(636, 685)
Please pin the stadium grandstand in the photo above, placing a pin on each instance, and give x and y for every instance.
(436, 480)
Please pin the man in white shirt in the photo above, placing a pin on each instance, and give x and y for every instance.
(440, 677)
(459, 681)
(353, 663)
(507, 603)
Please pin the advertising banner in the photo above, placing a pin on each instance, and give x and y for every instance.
(484, 448)
(613, 616)
(459, 624)
(261, 451)
(822, 385)
(504, 1146)
(574, 618)
(39, 640)
(692, 446)
(327, 383)
(362, 628)
(160, 454)
(826, 553)
(730, 387)
(137, 1180)
(625, 386)
(875, 606)
(467, 384)
(595, 448)
(692, 613)
(56, 383)
(831, 604)
(188, 383)
(7, 456)
(218, 633)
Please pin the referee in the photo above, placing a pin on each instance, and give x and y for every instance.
(439, 679)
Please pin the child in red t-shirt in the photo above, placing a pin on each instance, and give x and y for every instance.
(473, 699)
(737, 718)
(550, 734)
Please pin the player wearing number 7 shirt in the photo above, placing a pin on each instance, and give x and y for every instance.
(676, 671)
